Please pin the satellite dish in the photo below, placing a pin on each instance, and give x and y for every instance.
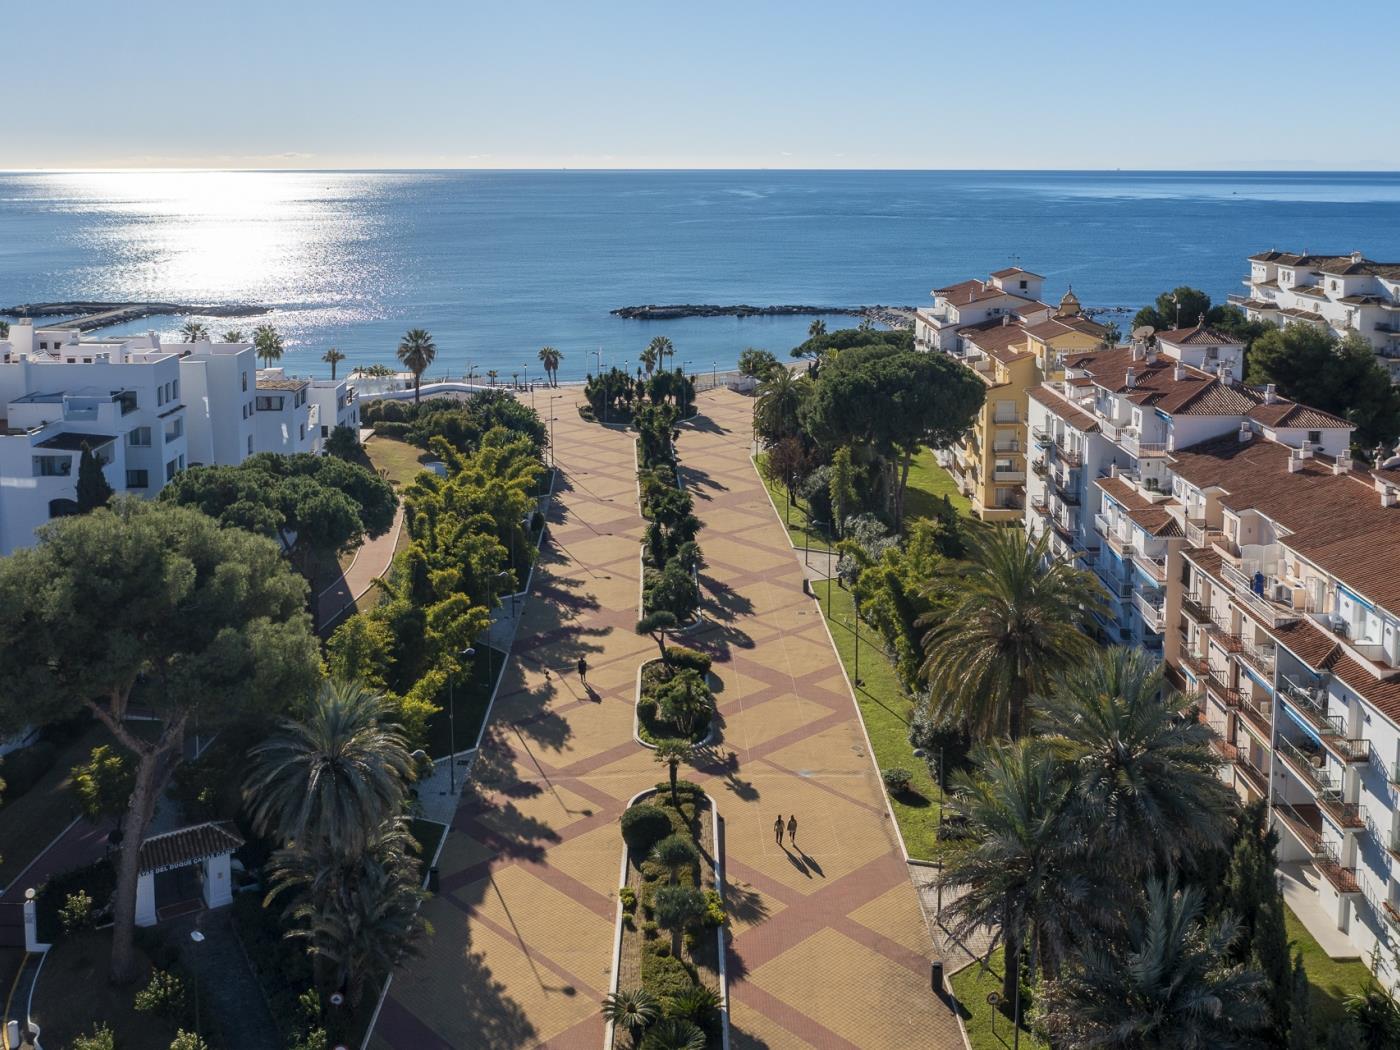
(1144, 332)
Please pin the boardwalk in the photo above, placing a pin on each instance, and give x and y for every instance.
(829, 947)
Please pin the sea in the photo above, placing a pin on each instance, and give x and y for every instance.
(496, 264)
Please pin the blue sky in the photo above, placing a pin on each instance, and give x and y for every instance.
(535, 83)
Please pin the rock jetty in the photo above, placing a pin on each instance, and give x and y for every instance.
(894, 316)
(88, 315)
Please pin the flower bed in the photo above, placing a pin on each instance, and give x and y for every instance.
(674, 698)
(672, 914)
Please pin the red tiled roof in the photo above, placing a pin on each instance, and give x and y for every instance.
(1012, 270)
(189, 845)
(1073, 415)
(1336, 521)
(1059, 325)
(1200, 335)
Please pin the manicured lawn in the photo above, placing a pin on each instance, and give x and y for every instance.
(397, 460)
(470, 697)
(971, 986)
(32, 820)
(927, 482)
(883, 705)
(1332, 980)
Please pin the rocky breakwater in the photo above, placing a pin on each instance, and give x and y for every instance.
(894, 316)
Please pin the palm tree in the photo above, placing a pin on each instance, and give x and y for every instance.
(1014, 621)
(416, 353)
(1022, 872)
(1146, 789)
(1165, 989)
(780, 399)
(633, 1009)
(678, 907)
(816, 329)
(334, 775)
(661, 347)
(4, 329)
(648, 358)
(673, 752)
(491, 375)
(674, 1033)
(233, 335)
(267, 344)
(194, 331)
(515, 380)
(676, 853)
(332, 357)
(550, 358)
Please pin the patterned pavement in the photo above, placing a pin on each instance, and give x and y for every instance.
(829, 947)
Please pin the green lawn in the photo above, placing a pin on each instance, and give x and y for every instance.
(971, 986)
(927, 482)
(397, 460)
(883, 706)
(1332, 980)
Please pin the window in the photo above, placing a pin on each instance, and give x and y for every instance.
(325, 431)
(138, 479)
(1315, 437)
(174, 467)
(1025, 284)
(250, 444)
(174, 429)
(139, 437)
(301, 432)
(269, 404)
(160, 396)
(53, 466)
(245, 381)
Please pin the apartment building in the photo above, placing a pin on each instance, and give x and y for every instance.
(1285, 617)
(1101, 435)
(146, 411)
(1013, 292)
(1009, 353)
(1337, 293)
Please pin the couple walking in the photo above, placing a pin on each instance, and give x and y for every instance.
(791, 829)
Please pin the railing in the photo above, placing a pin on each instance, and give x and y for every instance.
(1262, 657)
(1344, 879)
(1070, 457)
(1310, 837)
(1040, 467)
(1253, 774)
(1008, 475)
(1302, 763)
(1134, 445)
(1151, 612)
(1330, 727)
(1227, 639)
(1156, 568)
(1006, 446)
(1243, 584)
(1040, 436)
(1124, 548)
(1261, 716)
(1192, 607)
(1392, 914)
(1394, 773)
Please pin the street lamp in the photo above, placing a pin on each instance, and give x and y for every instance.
(552, 461)
(606, 397)
(452, 724)
(471, 374)
(827, 535)
(198, 939)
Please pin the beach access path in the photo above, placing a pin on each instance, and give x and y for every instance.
(829, 948)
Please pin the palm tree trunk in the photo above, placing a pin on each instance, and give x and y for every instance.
(1011, 962)
(675, 795)
(1016, 710)
(417, 382)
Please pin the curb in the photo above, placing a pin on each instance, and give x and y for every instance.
(710, 737)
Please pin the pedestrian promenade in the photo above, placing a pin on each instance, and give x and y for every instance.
(829, 947)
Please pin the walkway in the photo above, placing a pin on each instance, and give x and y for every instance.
(371, 562)
(829, 948)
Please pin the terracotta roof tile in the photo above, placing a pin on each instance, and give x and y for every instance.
(1075, 416)
(1200, 335)
(175, 849)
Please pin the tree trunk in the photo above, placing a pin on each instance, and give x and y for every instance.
(675, 796)
(1016, 711)
(1012, 964)
(150, 779)
(417, 382)
(900, 488)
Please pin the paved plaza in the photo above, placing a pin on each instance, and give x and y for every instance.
(829, 947)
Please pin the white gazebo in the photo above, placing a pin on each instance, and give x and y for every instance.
(208, 844)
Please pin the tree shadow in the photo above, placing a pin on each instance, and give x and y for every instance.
(726, 603)
(703, 424)
(742, 1040)
(726, 766)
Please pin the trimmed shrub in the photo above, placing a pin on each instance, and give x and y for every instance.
(77, 912)
(165, 997)
(683, 659)
(100, 1038)
(896, 779)
(393, 430)
(714, 909)
(643, 826)
(628, 896)
(650, 930)
(665, 976)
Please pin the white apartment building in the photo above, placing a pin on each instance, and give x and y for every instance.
(1101, 437)
(1285, 609)
(146, 411)
(1012, 292)
(1338, 293)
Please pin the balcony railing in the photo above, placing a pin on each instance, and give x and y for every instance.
(1134, 445)
(1192, 607)
(1262, 657)
(1330, 728)
(1343, 879)
(1311, 767)
(1006, 445)
(1253, 774)
(1272, 613)
(1309, 835)
(1221, 633)
(1069, 456)
(1040, 436)
(1392, 914)
(1124, 548)
(1151, 612)
(1156, 568)
(1260, 715)
(1040, 468)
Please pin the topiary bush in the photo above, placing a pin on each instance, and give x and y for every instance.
(896, 779)
(683, 659)
(643, 826)
(665, 976)
(628, 897)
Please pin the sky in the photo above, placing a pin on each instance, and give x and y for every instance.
(1229, 84)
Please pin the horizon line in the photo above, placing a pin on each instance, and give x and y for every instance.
(585, 169)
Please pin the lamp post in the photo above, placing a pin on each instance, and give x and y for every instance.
(552, 462)
(198, 939)
(471, 374)
(714, 374)
(452, 724)
(824, 525)
(606, 398)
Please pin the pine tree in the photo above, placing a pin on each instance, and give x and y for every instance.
(1300, 1023)
(93, 490)
(1270, 957)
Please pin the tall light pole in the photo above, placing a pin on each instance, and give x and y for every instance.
(452, 724)
(471, 373)
(599, 355)
(198, 939)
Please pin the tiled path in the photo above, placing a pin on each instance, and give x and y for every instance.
(829, 947)
(371, 561)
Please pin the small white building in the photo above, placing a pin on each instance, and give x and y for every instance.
(219, 381)
(1013, 293)
(1337, 293)
(337, 405)
(286, 419)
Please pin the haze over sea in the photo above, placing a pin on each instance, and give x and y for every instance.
(498, 264)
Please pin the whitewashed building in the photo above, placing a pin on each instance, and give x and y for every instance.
(1337, 293)
(1012, 292)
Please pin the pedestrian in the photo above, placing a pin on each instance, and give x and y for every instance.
(778, 829)
(583, 670)
(792, 829)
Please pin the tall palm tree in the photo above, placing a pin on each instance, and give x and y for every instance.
(816, 328)
(1015, 621)
(675, 853)
(779, 402)
(1166, 988)
(1145, 783)
(267, 344)
(194, 331)
(1022, 868)
(550, 358)
(673, 752)
(416, 353)
(332, 357)
(491, 375)
(632, 1009)
(233, 335)
(648, 358)
(662, 348)
(334, 775)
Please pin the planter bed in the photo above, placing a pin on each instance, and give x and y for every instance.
(648, 725)
(644, 959)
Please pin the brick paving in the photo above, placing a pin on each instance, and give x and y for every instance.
(828, 949)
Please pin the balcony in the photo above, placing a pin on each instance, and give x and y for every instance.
(1199, 534)
(1311, 703)
(1008, 475)
(1305, 821)
(1192, 607)
(1261, 657)
(1311, 768)
(1007, 445)
(1068, 456)
(1150, 611)
(1040, 468)
(1271, 613)
(1221, 633)
(1134, 445)
(1260, 715)
(1342, 879)
(1154, 568)
(1041, 436)
(1215, 682)
(1392, 914)
(1124, 548)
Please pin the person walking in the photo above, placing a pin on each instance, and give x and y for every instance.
(583, 670)
(778, 829)
(792, 830)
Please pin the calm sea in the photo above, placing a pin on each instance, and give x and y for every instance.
(497, 264)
